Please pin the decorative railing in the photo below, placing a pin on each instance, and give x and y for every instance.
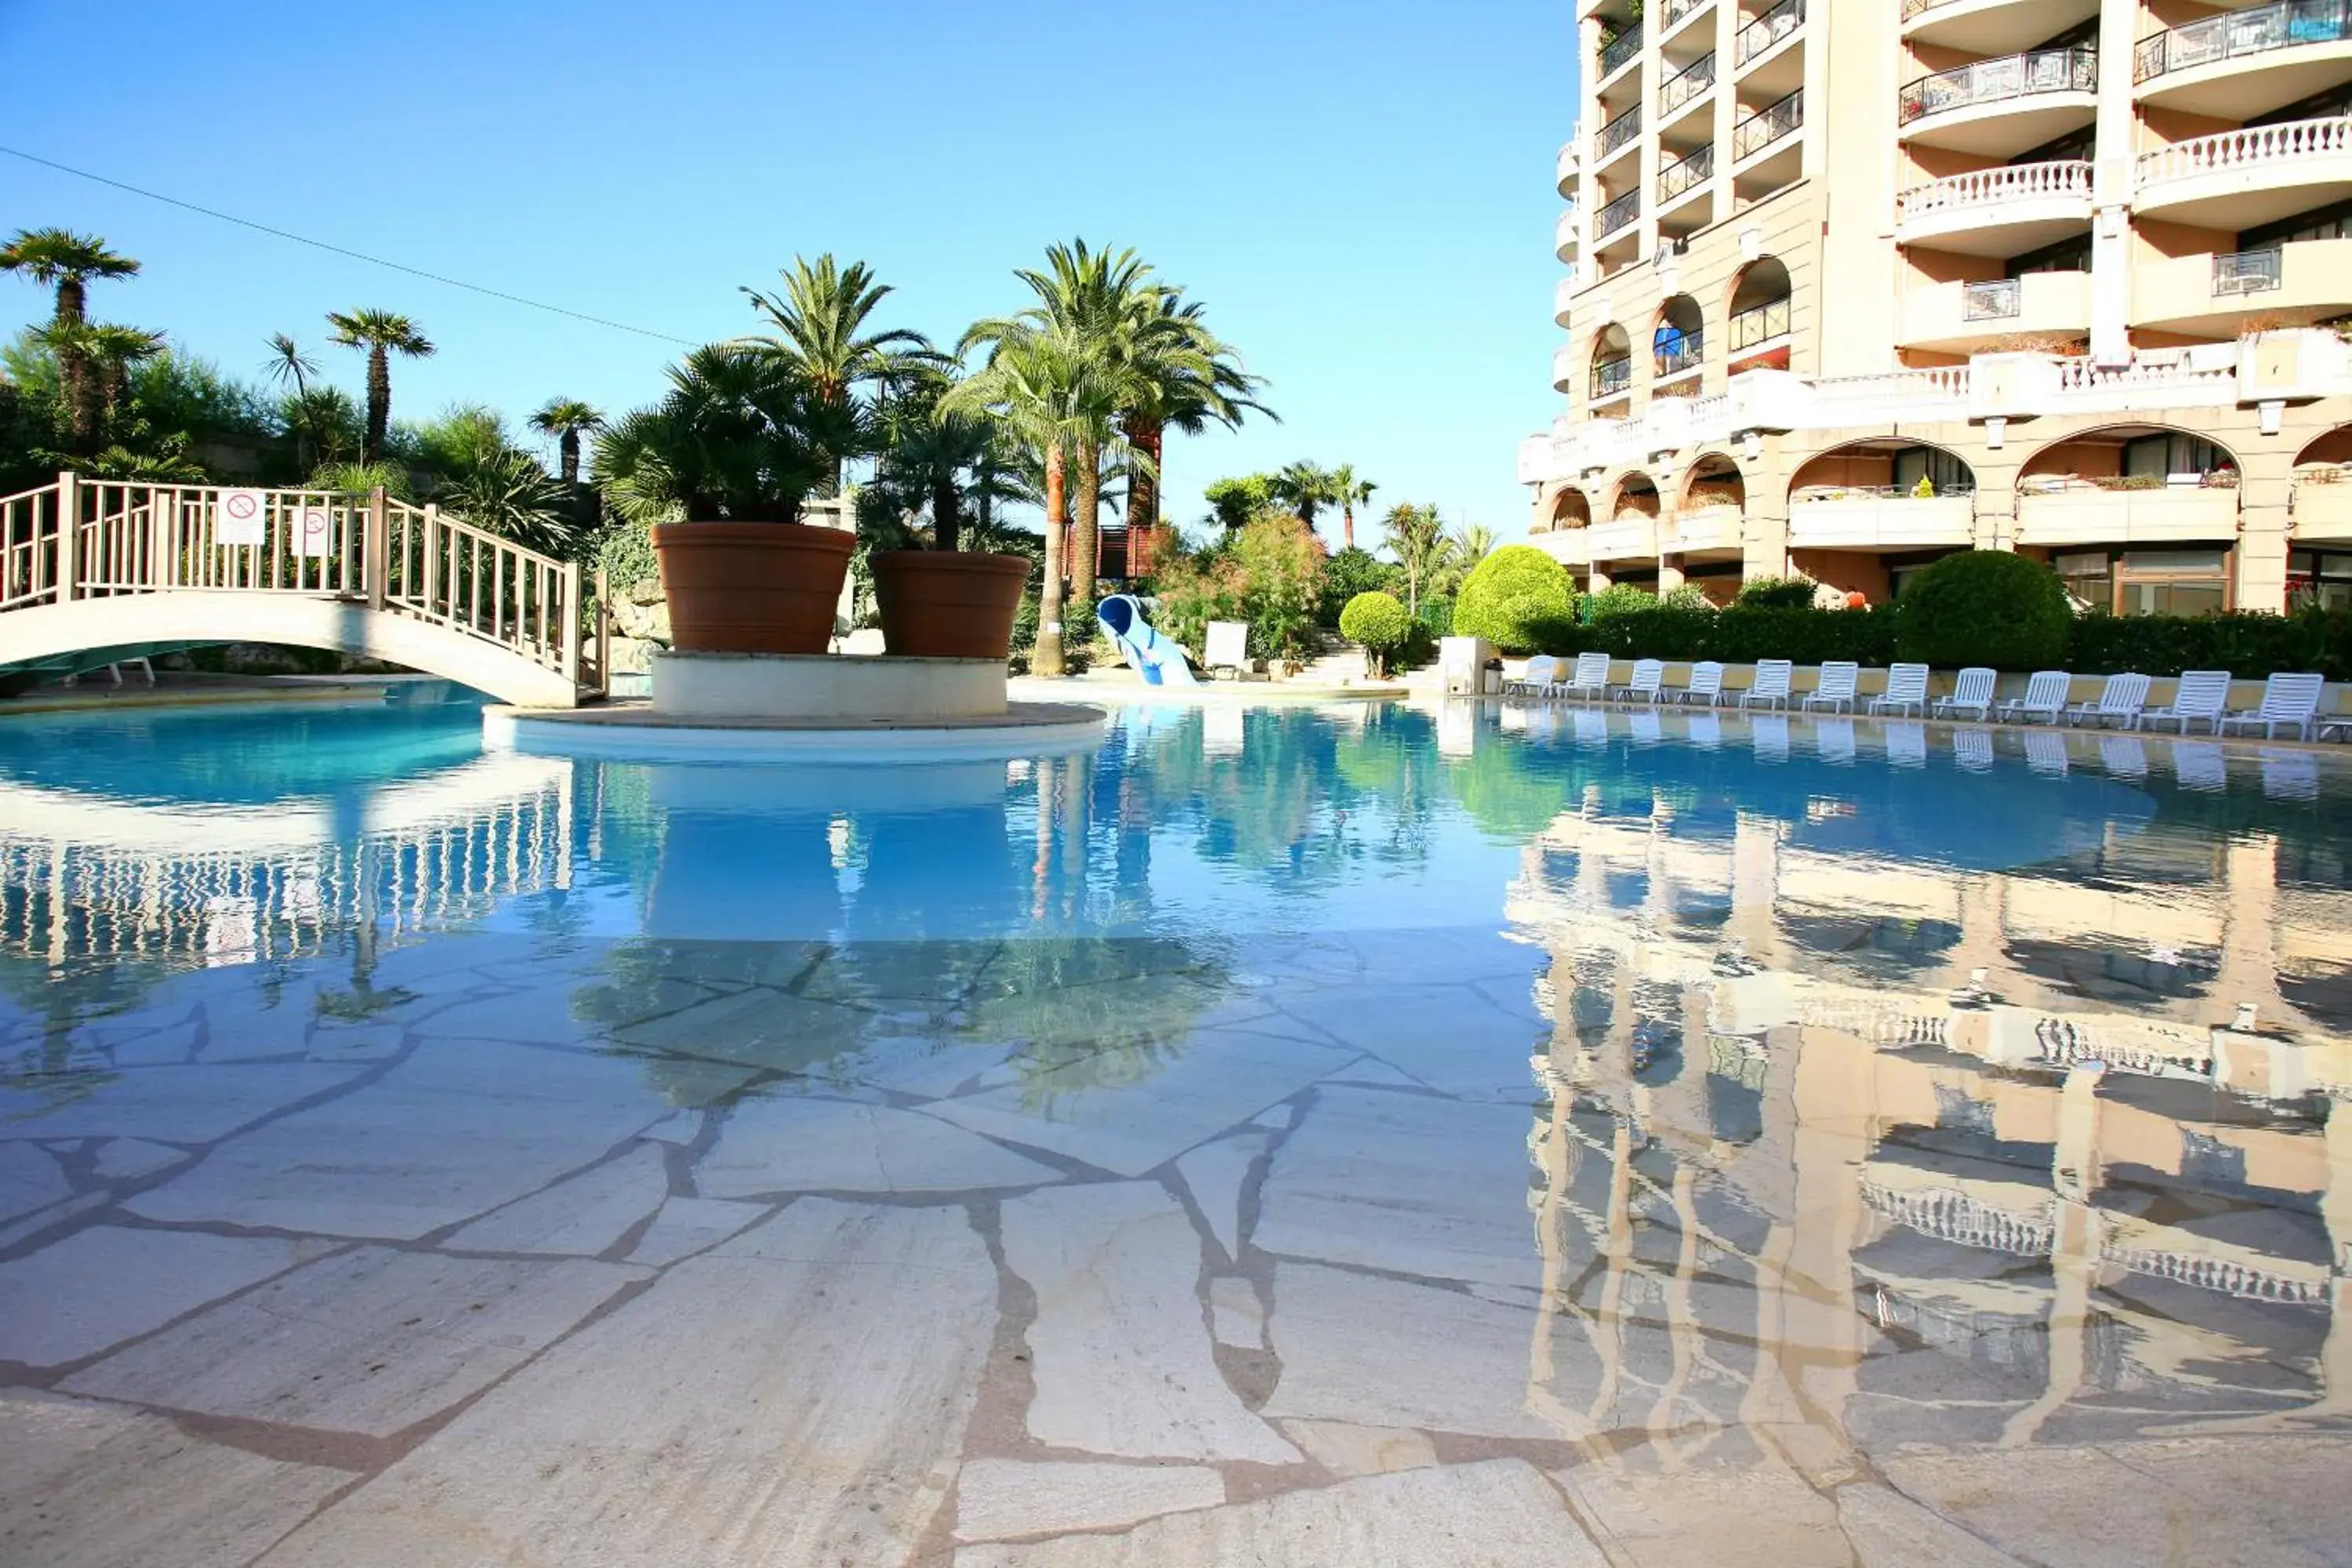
(1948, 1214)
(1686, 83)
(1617, 132)
(1994, 299)
(1625, 46)
(1683, 173)
(1617, 214)
(1768, 125)
(1612, 378)
(1995, 81)
(1933, 384)
(1768, 30)
(2066, 179)
(1759, 324)
(90, 539)
(1682, 355)
(2084, 377)
(1675, 10)
(2247, 272)
(2225, 1276)
(2260, 30)
(2248, 148)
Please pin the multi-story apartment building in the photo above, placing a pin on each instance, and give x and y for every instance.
(1854, 285)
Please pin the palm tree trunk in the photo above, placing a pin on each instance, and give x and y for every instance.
(1347, 526)
(1047, 658)
(72, 299)
(1147, 437)
(947, 515)
(379, 402)
(568, 447)
(1085, 536)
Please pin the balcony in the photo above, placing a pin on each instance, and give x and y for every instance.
(1708, 531)
(2215, 296)
(1675, 13)
(1761, 54)
(1878, 517)
(1616, 216)
(1563, 300)
(2242, 178)
(1627, 539)
(1569, 169)
(1563, 369)
(1682, 177)
(1685, 89)
(1765, 152)
(1963, 318)
(2002, 211)
(1681, 357)
(1616, 137)
(1612, 379)
(1990, 27)
(1997, 109)
(1564, 240)
(1760, 328)
(2246, 63)
(2123, 511)
(2323, 503)
(1620, 52)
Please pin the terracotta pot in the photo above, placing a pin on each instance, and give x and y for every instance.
(752, 587)
(946, 604)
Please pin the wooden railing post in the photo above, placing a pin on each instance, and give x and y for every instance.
(430, 595)
(163, 528)
(571, 622)
(68, 536)
(603, 634)
(376, 559)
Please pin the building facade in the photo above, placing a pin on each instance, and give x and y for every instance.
(1852, 288)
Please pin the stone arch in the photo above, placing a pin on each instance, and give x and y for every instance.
(1571, 508)
(1635, 493)
(1612, 347)
(2329, 446)
(1881, 462)
(1713, 479)
(1677, 335)
(1756, 309)
(2124, 449)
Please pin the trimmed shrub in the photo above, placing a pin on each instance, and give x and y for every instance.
(1617, 599)
(1349, 573)
(1509, 593)
(1778, 594)
(1379, 622)
(1736, 635)
(1437, 614)
(2247, 643)
(1985, 606)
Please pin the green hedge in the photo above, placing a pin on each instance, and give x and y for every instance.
(1736, 635)
(1437, 614)
(2248, 645)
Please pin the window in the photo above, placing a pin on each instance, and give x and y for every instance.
(2319, 578)
(2161, 456)
(2173, 583)
(2090, 580)
(1947, 473)
(2066, 256)
(2075, 146)
(2320, 223)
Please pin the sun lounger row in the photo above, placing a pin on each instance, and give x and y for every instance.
(2290, 703)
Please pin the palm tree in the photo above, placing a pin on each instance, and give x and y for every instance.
(820, 318)
(1187, 379)
(1417, 540)
(55, 257)
(383, 333)
(1350, 492)
(925, 450)
(567, 419)
(101, 385)
(1306, 489)
(287, 363)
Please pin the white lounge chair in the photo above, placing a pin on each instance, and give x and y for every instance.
(1906, 745)
(1906, 691)
(2200, 765)
(1833, 739)
(1767, 734)
(1592, 728)
(1973, 749)
(2289, 701)
(2045, 752)
(2122, 699)
(1589, 679)
(1971, 692)
(1835, 689)
(1705, 684)
(2290, 775)
(2202, 694)
(1646, 728)
(2044, 699)
(1227, 646)
(1649, 679)
(1706, 732)
(1770, 687)
(2123, 756)
(1535, 680)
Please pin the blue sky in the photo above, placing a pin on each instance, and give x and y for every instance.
(1362, 194)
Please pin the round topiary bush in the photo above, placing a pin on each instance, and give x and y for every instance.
(1379, 622)
(1510, 596)
(1985, 606)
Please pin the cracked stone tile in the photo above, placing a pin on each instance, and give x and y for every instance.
(757, 1028)
(127, 1159)
(797, 1396)
(1236, 1317)
(370, 1340)
(1452, 1037)
(1887, 1530)
(185, 1104)
(541, 1015)
(1407, 1183)
(679, 1129)
(1215, 1174)
(356, 1042)
(685, 1227)
(999, 1499)
(829, 1145)
(30, 1180)
(1214, 1082)
(1120, 1351)
(133, 1046)
(1371, 1072)
(51, 1217)
(87, 1486)
(1346, 1449)
(580, 1216)
(1763, 1514)
(93, 1289)
(1498, 1514)
(453, 1132)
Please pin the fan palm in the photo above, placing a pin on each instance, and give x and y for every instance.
(288, 364)
(1418, 540)
(820, 316)
(1187, 379)
(510, 495)
(55, 257)
(99, 386)
(1350, 492)
(567, 419)
(382, 333)
(740, 435)
(1306, 489)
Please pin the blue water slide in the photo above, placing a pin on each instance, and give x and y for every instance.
(1155, 658)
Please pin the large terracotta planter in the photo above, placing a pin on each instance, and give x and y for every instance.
(946, 604)
(752, 587)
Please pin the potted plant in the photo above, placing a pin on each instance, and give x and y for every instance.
(720, 469)
(944, 601)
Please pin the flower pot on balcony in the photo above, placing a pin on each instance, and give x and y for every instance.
(945, 603)
(752, 587)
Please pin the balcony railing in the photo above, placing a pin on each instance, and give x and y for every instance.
(1994, 81)
(2248, 148)
(1768, 125)
(1687, 84)
(1759, 324)
(1675, 10)
(1620, 50)
(1683, 354)
(1994, 187)
(1680, 175)
(1616, 134)
(1612, 378)
(1617, 214)
(2265, 27)
(2247, 272)
(1995, 299)
(1768, 30)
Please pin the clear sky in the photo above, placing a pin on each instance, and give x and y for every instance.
(1361, 193)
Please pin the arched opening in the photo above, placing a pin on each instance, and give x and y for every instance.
(1678, 342)
(1707, 534)
(2333, 450)
(1714, 482)
(1569, 508)
(1637, 496)
(1881, 470)
(2085, 501)
(1864, 517)
(1612, 364)
(1759, 328)
(2319, 565)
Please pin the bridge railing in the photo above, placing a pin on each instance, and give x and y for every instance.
(85, 539)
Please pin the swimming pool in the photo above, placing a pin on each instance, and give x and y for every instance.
(1472, 1134)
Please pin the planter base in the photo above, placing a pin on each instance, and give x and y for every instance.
(825, 688)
